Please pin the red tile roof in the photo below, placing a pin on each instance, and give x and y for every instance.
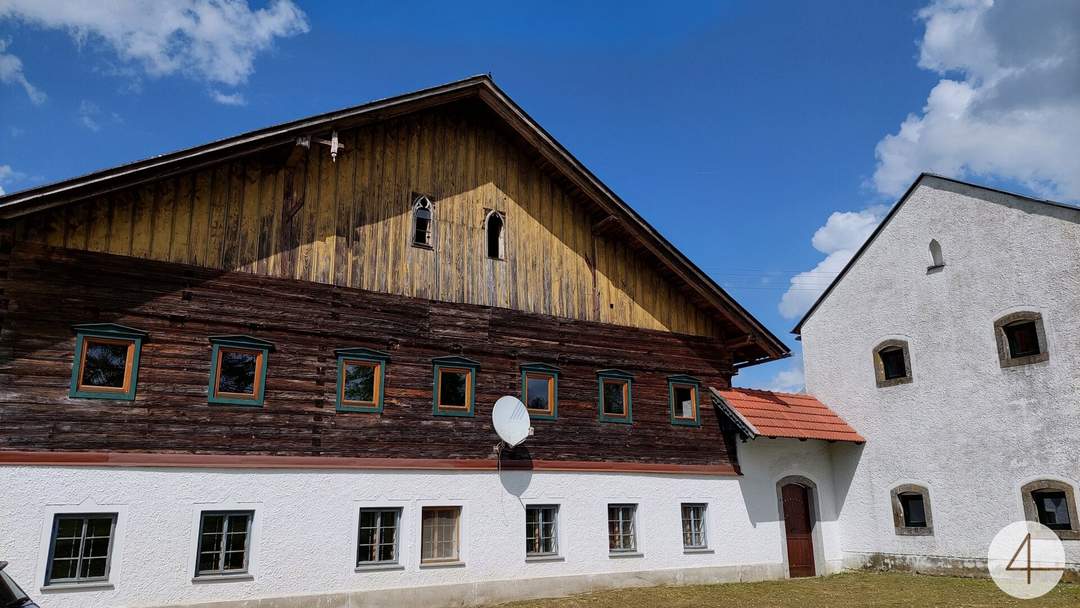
(795, 415)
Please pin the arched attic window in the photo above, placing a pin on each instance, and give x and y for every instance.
(936, 259)
(892, 363)
(493, 227)
(423, 216)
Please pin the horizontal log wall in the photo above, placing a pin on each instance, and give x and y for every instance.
(352, 222)
(50, 289)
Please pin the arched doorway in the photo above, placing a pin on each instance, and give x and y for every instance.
(797, 508)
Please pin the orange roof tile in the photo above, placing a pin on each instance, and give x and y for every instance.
(794, 415)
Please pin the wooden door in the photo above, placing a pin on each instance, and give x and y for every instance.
(799, 530)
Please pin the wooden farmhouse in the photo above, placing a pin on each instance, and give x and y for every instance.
(265, 368)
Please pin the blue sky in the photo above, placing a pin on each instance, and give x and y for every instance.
(765, 139)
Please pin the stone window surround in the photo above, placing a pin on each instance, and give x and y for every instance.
(898, 510)
(879, 367)
(1032, 514)
(1003, 341)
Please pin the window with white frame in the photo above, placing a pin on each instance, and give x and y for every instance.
(377, 538)
(541, 530)
(81, 548)
(693, 526)
(440, 535)
(622, 528)
(224, 543)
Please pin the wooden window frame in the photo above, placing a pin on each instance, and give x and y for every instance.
(879, 365)
(79, 580)
(436, 561)
(615, 376)
(692, 383)
(554, 509)
(1031, 512)
(636, 548)
(488, 213)
(457, 365)
(367, 357)
(541, 371)
(221, 572)
(422, 201)
(398, 511)
(1005, 357)
(898, 511)
(703, 532)
(106, 333)
(223, 344)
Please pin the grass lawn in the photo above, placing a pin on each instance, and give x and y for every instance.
(849, 589)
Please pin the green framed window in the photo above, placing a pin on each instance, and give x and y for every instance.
(238, 370)
(683, 398)
(454, 386)
(540, 390)
(361, 378)
(106, 364)
(615, 402)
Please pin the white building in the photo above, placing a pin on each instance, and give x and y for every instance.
(951, 341)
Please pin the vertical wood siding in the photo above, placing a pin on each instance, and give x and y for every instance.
(352, 225)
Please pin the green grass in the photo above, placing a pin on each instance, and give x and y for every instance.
(850, 589)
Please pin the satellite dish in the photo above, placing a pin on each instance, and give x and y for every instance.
(511, 420)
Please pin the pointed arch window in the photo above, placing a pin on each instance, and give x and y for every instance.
(423, 213)
(494, 225)
(937, 260)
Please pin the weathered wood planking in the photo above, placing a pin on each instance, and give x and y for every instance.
(354, 224)
(47, 290)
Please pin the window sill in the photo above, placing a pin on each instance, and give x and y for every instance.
(93, 586)
(906, 531)
(379, 567)
(222, 578)
(454, 564)
(534, 559)
(698, 551)
(626, 554)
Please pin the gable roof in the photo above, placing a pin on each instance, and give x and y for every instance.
(892, 212)
(758, 413)
(753, 344)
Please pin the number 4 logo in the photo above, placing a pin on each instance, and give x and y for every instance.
(1026, 544)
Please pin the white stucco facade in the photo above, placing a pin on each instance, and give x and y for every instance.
(969, 430)
(305, 527)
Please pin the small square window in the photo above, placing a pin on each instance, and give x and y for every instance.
(81, 548)
(914, 510)
(106, 361)
(238, 370)
(455, 386)
(377, 540)
(683, 395)
(615, 397)
(440, 535)
(361, 375)
(541, 530)
(892, 362)
(693, 526)
(224, 543)
(1023, 338)
(1053, 509)
(622, 528)
(540, 390)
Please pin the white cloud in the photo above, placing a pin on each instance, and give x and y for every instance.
(228, 99)
(208, 40)
(7, 175)
(790, 380)
(1007, 105)
(11, 72)
(88, 114)
(838, 239)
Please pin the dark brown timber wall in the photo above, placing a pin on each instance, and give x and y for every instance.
(47, 290)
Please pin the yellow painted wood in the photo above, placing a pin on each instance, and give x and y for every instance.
(354, 227)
